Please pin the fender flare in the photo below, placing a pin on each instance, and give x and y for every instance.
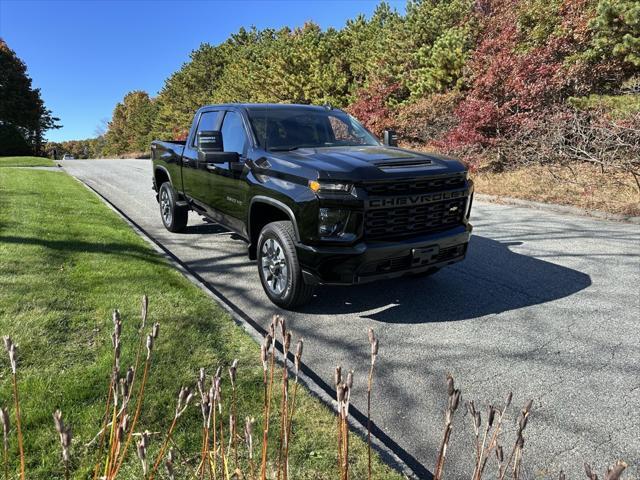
(160, 167)
(277, 204)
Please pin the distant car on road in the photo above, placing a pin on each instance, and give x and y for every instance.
(66, 156)
(317, 198)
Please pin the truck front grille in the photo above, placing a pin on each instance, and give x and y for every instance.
(396, 222)
(423, 185)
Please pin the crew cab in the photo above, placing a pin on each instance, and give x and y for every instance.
(317, 198)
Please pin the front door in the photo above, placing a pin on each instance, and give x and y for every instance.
(227, 181)
(195, 176)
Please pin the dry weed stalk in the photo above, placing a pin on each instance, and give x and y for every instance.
(168, 464)
(11, 350)
(248, 439)
(452, 406)
(233, 372)
(64, 433)
(343, 394)
(184, 397)
(373, 342)
(6, 426)
(613, 473)
(284, 401)
(297, 362)
(119, 459)
(269, 349)
(141, 450)
(206, 406)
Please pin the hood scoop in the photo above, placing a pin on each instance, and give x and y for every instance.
(402, 164)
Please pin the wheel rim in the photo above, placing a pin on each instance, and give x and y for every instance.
(165, 207)
(275, 270)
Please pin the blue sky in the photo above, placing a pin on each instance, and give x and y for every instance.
(86, 54)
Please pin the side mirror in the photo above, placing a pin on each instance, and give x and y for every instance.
(390, 138)
(210, 148)
(210, 141)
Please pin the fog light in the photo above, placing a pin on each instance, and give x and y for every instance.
(331, 221)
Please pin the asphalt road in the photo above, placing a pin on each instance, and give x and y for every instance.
(546, 305)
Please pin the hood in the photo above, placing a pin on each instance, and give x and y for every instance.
(369, 162)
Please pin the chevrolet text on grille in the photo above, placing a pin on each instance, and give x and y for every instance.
(410, 200)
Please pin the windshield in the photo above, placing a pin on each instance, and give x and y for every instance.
(281, 129)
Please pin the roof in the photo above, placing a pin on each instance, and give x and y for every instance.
(269, 106)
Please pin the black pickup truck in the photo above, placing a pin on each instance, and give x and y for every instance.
(318, 199)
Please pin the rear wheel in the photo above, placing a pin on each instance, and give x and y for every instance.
(278, 267)
(174, 217)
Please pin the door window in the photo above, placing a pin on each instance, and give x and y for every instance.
(234, 138)
(208, 121)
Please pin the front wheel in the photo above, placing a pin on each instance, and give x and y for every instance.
(278, 267)
(174, 217)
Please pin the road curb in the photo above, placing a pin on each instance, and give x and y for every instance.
(554, 207)
(388, 450)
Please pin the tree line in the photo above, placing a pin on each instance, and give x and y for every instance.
(461, 76)
(24, 118)
(476, 78)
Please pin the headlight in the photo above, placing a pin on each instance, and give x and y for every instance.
(324, 186)
(332, 221)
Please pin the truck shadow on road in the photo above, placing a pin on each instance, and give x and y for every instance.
(492, 279)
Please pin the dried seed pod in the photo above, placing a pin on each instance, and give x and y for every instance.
(145, 309)
(350, 379)
(562, 476)
(155, 331)
(287, 344)
(615, 472)
(340, 393)
(450, 385)
(527, 407)
(507, 401)
(169, 465)
(11, 349)
(142, 450)
(6, 424)
(263, 357)
(372, 336)
(233, 371)
(337, 377)
(283, 326)
(298, 356)
(201, 381)
(129, 376)
(499, 454)
(454, 400)
(491, 416)
(149, 346)
(57, 420)
(589, 472)
(374, 349)
(477, 420)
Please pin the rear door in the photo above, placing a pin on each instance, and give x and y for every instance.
(195, 176)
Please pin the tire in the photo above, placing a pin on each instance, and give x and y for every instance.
(278, 267)
(173, 216)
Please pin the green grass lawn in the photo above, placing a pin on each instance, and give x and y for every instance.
(26, 162)
(66, 261)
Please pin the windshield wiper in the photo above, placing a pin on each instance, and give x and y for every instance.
(289, 149)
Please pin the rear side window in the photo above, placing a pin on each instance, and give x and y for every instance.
(208, 121)
(234, 137)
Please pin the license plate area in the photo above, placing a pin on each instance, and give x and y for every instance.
(420, 256)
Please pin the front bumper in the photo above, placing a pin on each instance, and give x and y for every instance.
(377, 260)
